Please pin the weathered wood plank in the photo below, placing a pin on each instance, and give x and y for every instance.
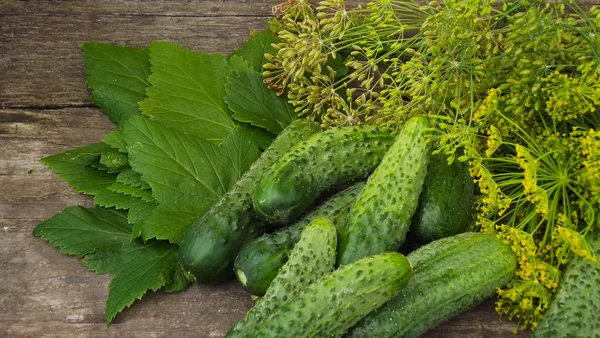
(45, 293)
(41, 63)
(195, 8)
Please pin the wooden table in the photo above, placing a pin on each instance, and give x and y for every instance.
(45, 108)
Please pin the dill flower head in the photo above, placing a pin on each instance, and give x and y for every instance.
(326, 48)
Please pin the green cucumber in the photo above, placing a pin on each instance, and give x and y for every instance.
(451, 275)
(445, 204)
(259, 260)
(212, 242)
(379, 220)
(333, 304)
(337, 155)
(575, 308)
(312, 258)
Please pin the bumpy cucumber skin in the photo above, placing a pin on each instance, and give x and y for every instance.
(212, 242)
(337, 155)
(379, 220)
(312, 258)
(328, 307)
(260, 260)
(445, 203)
(574, 312)
(451, 275)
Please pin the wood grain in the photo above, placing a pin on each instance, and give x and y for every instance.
(42, 65)
(45, 109)
(142, 8)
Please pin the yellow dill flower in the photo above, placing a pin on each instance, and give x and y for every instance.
(494, 141)
(590, 150)
(494, 200)
(534, 194)
(525, 300)
(547, 274)
(487, 226)
(568, 240)
(488, 107)
(571, 95)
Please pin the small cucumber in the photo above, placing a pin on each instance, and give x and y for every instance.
(445, 203)
(260, 260)
(379, 220)
(212, 242)
(337, 155)
(575, 309)
(312, 258)
(328, 307)
(451, 275)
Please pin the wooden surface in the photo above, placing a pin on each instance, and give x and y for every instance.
(45, 108)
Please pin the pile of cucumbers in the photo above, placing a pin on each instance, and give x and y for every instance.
(315, 226)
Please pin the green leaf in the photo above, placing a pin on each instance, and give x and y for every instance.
(99, 166)
(176, 165)
(106, 260)
(253, 51)
(143, 267)
(262, 137)
(188, 91)
(254, 103)
(118, 77)
(75, 167)
(80, 168)
(238, 64)
(116, 141)
(187, 174)
(137, 267)
(179, 281)
(168, 221)
(137, 215)
(125, 189)
(132, 178)
(103, 237)
(180, 166)
(338, 66)
(114, 160)
(78, 231)
(239, 152)
(112, 199)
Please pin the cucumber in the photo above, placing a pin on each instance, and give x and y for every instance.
(575, 309)
(212, 242)
(259, 261)
(381, 215)
(312, 258)
(451, 275)
(328, 307)
(445, 204)
(337, 155)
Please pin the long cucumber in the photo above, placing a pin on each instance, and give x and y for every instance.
(337, 155)
(333, 304)
(451, 275)
(379, 220)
